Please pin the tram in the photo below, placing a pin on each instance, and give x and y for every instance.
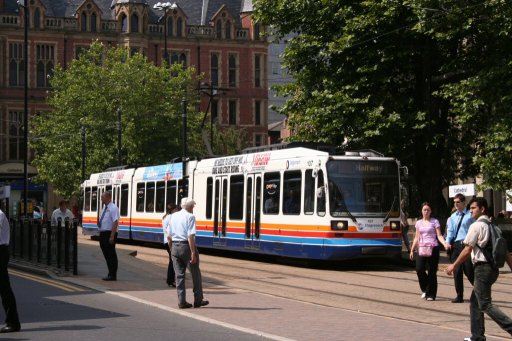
(288, 200)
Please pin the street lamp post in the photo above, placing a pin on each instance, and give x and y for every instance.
(165, 6)
(23, 4)
(119, 135)
(184, 102)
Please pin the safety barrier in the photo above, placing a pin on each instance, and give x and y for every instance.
(40, 242)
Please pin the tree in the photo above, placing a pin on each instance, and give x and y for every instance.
(415, 79)
(90, 93)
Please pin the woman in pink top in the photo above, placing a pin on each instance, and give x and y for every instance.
(428, 232)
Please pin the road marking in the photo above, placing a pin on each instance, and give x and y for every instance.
(201, 318)
(47, 281)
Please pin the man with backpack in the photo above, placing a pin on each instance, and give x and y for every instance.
(480, 244)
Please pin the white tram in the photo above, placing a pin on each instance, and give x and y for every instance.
(293, 202)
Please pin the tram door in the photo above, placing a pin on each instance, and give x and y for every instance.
(220, 210)
(253, 211)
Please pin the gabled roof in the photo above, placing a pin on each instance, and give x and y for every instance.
(192, 8)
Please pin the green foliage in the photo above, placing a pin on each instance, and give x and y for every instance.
(426, 81)
(90, 93)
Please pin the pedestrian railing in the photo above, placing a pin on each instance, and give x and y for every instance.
(40, 242)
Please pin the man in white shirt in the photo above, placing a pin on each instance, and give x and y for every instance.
(108, 225)
(62, 213)
(182, 233)
(485, 274)
(12, 322)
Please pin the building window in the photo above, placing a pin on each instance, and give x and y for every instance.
(179, 27)
(37, 18)
(124, 23)
(79, 50)
(45, 56)
(228, 29)
(257, 113)
(258, 140)
(232, 112)
(214, 69)
(256, 31)
(257, 71)
(170, 28)
(16, 139)
(83, 22)
(94, 19)
(214, 111)
(16, 65)
(135, 23)
(232, 70)
(218, 29)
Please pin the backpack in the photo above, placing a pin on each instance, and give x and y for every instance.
(496, 250)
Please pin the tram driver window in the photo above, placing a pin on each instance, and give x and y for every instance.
(141, 189)
(292, 185)
(271, 193)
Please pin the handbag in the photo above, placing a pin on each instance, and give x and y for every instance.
(425, 250)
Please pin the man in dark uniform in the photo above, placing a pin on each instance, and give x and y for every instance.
(107, 225)
(12, 322)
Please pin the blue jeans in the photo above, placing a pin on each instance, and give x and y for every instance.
(481, 302)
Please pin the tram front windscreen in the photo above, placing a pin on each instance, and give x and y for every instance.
(363, 188)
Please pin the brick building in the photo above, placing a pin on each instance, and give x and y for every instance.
(217, 37)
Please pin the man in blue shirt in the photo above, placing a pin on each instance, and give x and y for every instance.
(457, 229)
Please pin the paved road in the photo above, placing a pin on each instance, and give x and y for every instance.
(293, 302)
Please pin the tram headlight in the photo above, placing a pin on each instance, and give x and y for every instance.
(394, 225)
(340, 225)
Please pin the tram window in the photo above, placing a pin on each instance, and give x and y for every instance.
(171, 192)
(209, 194)
(124, 200)
(150, 197)
(271, 193)
(320, 194)
(236, 197)
(183, 189)
(109, 189)
(141, 190)
(291, 192)
(160, 197)
(309, 192)
(94, 199)
(87, 199)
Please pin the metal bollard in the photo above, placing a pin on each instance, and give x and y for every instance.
(59, 241)
(74, 240)
(49, 233)
(66, 244)
(29, 239)
(39, 229)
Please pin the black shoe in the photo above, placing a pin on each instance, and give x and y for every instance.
(109, 278)
(201, 304)
(458, 300)
(10, 328)
(185, 305)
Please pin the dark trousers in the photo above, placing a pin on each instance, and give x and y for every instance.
(481, 302)
(465, 268)
(426, 269)
(171, 276)
(8, 299)
(109, 252)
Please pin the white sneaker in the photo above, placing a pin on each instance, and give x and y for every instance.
(431, 299)
(467, 339)
(423, 295)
